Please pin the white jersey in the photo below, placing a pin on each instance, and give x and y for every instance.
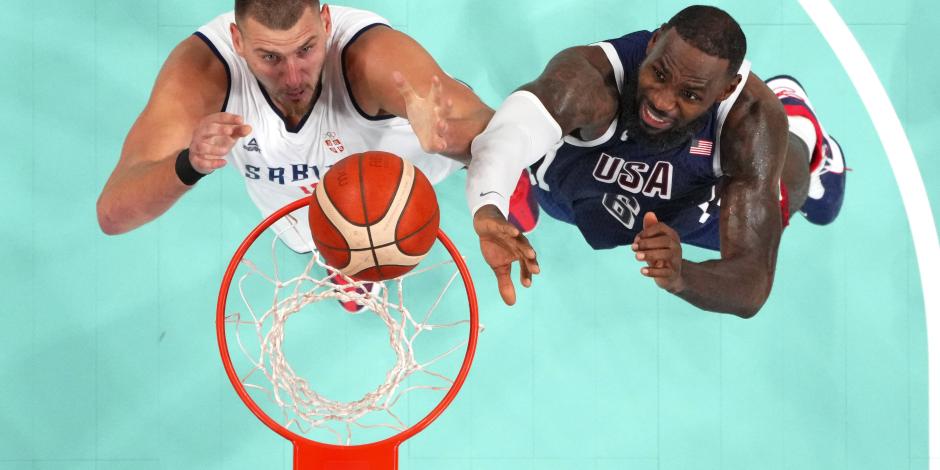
(281, 164)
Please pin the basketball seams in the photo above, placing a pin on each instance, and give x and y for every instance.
(417, 231)
(387, 249)
(398, 220)
(335, 217)
(365, 211)
(361, 261)
(387, 225)
(317, 204)
(395, 242)
(398, 183)
(384, 245)
(378, 249)
(329, 219)
(419, 184)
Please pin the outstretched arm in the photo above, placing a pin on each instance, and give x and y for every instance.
(576, 92)
(390, 73)
(753, 149)
(144, 184)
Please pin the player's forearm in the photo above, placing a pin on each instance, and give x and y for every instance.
(462, 130)
(519, 134)
(138, 194)
(724, 287)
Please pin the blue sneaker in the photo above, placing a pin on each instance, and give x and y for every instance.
(826, 186)
(827, 180)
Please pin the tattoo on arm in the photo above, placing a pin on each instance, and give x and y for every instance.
(579, 89)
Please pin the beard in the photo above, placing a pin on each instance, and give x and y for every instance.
(294, 106)
(659, 142)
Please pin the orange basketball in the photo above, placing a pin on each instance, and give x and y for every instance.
(374, 216)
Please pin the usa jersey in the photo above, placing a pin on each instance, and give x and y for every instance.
(606, 185)
(279, 163)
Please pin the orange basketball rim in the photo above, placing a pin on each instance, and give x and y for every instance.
(312, 455)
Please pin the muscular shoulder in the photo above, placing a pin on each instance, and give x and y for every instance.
(756, 97)
(377, 38)
(574, 71)
(193, 73)
(754, 134)
(192, 84)
(378, 54)
(369, 60)
(579, 89)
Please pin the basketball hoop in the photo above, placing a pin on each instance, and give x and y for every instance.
(265, 374)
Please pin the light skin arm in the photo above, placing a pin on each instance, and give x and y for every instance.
(753, 151)
(182, 113)
(579, 90)
(390, 73)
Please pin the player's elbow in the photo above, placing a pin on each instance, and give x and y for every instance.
(748, 311)
(107, 219)
(750, 306)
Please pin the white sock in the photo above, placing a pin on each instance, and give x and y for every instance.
(804, 129)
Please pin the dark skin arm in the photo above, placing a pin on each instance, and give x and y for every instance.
(753, 149)
(579, 90)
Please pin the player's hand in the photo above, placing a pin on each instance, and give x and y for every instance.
(213, 139)
(428, 115)
(502, 244)
(659, 247)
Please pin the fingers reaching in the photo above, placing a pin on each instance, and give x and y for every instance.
(504, 282)
(502, 245)
(525, 274)
(214, 138)
(437, 92)
(428, 114)
(404, 87)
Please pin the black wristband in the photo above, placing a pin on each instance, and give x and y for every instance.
(184, 169)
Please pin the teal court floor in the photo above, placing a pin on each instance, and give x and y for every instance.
(109, 358)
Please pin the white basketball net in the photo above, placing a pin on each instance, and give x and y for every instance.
(302, 407)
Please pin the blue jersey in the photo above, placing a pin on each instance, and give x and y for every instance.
(605, 186)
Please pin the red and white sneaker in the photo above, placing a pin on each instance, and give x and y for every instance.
(827, 168)
(523, 206)
(352, 306)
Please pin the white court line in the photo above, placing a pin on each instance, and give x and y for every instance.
(909, 180)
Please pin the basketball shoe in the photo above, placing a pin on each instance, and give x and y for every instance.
(523, 207)
(827, 165)
(351, 306)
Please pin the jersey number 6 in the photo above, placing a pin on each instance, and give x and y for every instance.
(624, 208)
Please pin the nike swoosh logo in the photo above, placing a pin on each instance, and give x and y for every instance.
(490, 192)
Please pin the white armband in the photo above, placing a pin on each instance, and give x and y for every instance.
(521, 132)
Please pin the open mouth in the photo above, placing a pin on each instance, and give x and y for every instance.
(296, 95)
(654, 119)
